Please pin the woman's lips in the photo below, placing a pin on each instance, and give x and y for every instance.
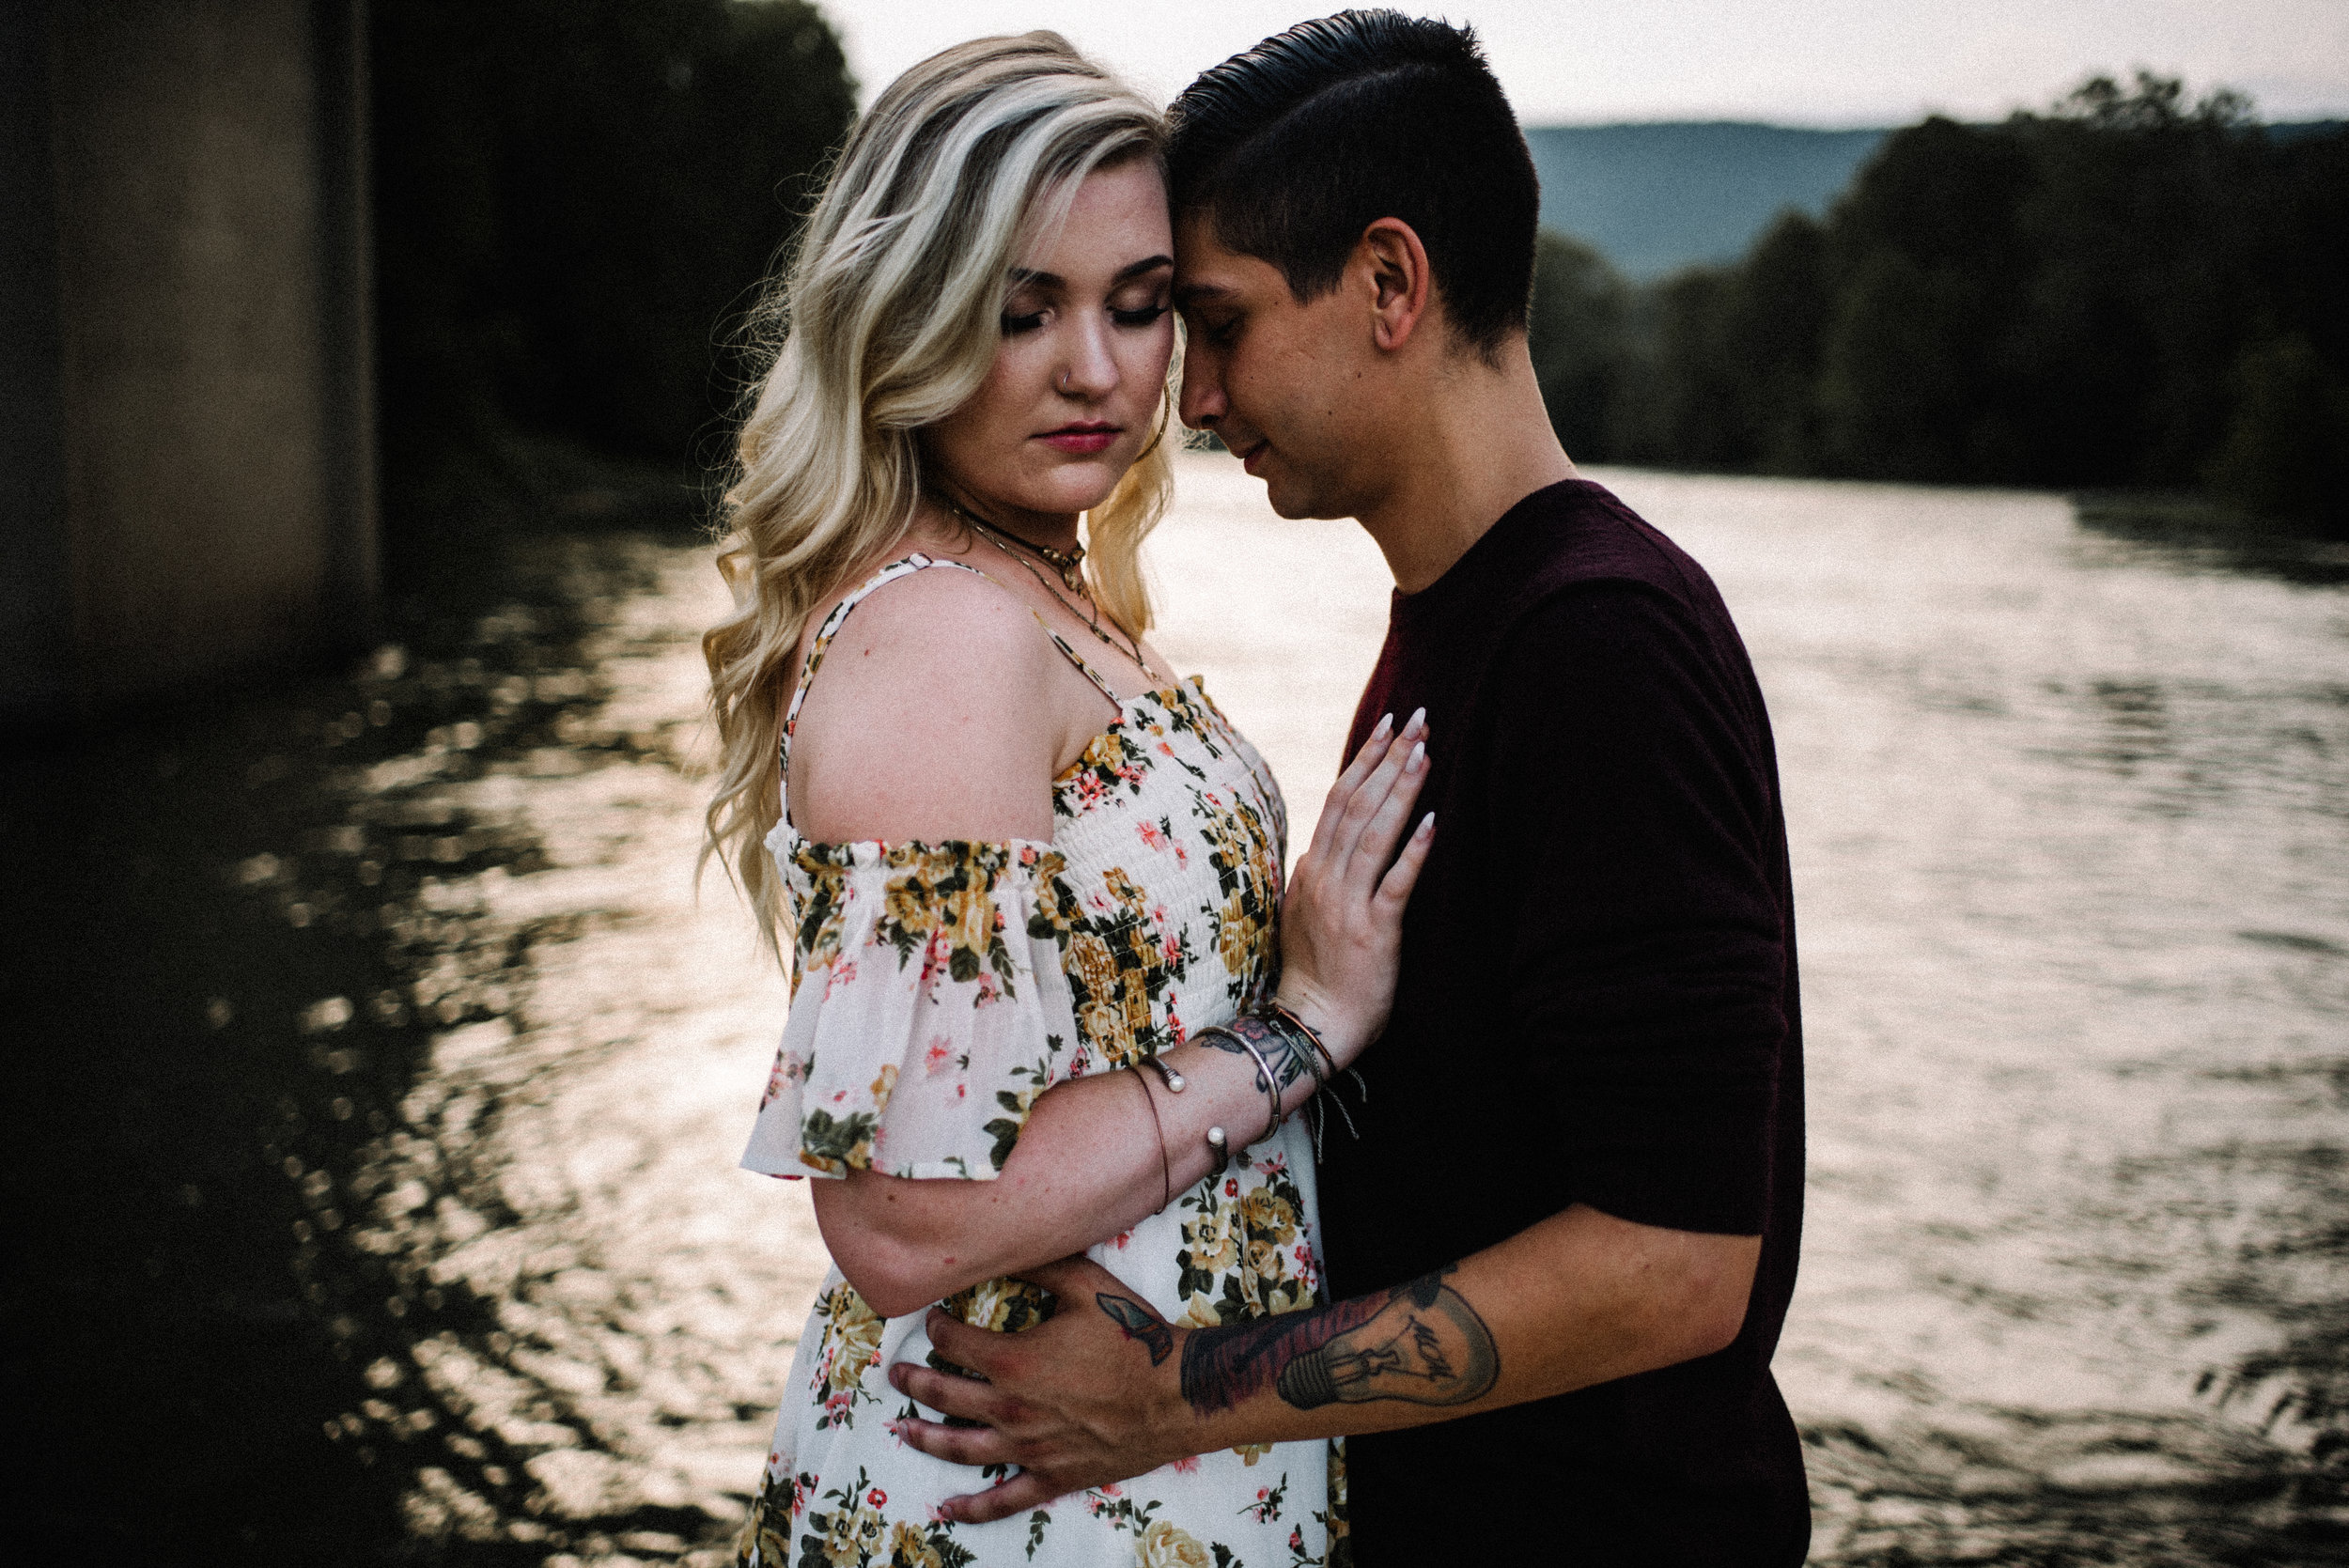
(1081, 437)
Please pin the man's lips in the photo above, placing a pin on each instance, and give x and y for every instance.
(1082, 438)
(1248, 458)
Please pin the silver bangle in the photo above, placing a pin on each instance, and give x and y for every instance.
(1220, 1146)
(1174, 1082)
(1271, 1081)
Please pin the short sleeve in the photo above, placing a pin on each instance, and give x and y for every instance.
(1648, 958)
(928, 1009)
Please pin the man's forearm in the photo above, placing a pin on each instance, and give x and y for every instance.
(1108, 1388)
(1578, 1300)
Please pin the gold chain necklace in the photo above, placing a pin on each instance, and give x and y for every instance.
(1068, 563)
(994, 535)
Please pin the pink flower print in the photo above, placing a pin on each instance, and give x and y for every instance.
(1164, 748)
(1079, 1068)
(1089, 791)
(1151, 837)
(1231, 1187)
(1120, 1239)
(940, 1057)
(1188, 1464)
(1274, 1165)
(880, 1499)
(1110, 1491)
(939, 1515)
(1296, 1539)
(963, 1091)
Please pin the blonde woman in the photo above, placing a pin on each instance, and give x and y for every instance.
(1031, 880)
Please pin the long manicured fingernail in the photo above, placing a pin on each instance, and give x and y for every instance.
(1419, 755)
(1385, 726)
(1426, 825)
(1419, 722)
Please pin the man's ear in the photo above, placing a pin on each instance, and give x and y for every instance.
(1401, 286)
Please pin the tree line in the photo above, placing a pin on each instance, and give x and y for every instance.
(575, 202)
(2125, 291)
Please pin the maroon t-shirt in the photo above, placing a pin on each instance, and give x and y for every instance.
(1598, 1005)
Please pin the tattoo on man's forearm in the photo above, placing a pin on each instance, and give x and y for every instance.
(1420, 1342)
(1137, 1322)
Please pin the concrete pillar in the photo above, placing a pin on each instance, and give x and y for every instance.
(187, 471)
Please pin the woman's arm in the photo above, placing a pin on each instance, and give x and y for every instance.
(950, 668)
(1099, 1155)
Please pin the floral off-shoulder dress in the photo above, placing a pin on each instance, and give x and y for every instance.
(939, 989)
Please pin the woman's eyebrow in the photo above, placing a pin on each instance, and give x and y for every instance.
(1026, 278)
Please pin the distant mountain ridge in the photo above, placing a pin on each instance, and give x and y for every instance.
(1658, 196)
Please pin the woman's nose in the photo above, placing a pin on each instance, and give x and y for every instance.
(1090, 370)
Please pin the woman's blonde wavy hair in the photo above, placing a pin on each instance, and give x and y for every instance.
(886, 319)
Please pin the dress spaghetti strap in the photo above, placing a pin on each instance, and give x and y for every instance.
(906, 567)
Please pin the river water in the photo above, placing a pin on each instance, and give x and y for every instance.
(390, 1074)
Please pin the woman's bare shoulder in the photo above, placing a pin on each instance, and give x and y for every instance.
(930, 716)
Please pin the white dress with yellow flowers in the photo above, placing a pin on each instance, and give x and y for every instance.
(938, 989)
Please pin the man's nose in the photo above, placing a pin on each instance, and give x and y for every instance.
(1202, 404)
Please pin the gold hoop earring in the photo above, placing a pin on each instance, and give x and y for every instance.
(1157, 431)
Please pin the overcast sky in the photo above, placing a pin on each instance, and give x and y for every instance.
(1797, 62)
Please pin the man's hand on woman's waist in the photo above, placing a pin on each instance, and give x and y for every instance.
(1107, 1389)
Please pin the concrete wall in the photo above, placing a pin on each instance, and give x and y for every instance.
(201, 500)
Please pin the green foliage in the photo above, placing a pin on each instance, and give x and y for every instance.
(2127, 290)
(2286, 449)
(1579, 326)
(575, 202)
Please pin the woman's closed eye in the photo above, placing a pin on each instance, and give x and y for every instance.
(1142, 316)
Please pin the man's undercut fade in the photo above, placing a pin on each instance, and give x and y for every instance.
(1295, 147)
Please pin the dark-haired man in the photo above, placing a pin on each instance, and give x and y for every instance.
(1561, 1252)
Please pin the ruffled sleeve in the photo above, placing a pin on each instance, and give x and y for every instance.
(928, 1009)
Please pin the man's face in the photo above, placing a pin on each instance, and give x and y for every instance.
(1288, 386)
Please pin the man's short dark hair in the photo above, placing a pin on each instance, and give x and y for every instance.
(1295, 147)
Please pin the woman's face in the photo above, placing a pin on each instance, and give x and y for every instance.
(1088, 332)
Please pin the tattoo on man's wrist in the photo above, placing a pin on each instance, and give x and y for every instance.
(1420, 1342)
(1137, 1322)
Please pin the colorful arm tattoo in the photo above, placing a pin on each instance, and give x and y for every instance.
(1139, 1321)
(1273, 1042)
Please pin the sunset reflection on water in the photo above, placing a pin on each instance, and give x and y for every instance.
(474, 1065)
